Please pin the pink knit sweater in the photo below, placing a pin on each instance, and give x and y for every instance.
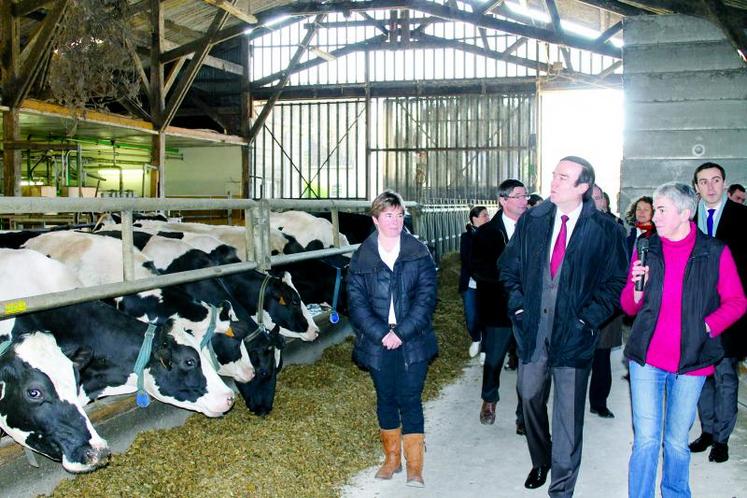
(664, 349)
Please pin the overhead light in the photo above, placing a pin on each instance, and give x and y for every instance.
(323, 54)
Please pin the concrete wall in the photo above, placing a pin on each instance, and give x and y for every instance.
(205, 171)
(685, 103)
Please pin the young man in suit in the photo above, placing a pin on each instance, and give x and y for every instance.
(724, 219)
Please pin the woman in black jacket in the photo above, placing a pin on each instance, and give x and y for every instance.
(392, 296)
(478, 216)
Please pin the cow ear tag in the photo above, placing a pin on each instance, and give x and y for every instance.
(282, 300)
(334, 317)
(142, 399)
(229, 332)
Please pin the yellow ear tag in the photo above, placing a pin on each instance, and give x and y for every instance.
(229, 332)
(282, 300)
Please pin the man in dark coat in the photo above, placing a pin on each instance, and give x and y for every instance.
(610, 336)
(488, 243)
(725, 220)
(564, 270)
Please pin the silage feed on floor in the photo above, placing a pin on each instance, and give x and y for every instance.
(321, 432)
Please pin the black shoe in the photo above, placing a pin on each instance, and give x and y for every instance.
(602, 412)
(520, 429)
(702, 443)
(537, 477)
(719, 453)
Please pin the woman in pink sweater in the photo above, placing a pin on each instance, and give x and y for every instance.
(691, 294)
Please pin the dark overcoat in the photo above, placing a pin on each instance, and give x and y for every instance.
(413, 285)
(593, 274)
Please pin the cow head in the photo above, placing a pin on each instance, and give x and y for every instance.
(265, 350)
(180, 374)
(283, 307)
(231, 353)
(39, 406)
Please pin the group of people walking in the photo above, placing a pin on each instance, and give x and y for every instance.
(554, 279)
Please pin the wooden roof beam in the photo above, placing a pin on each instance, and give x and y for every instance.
(234, 11)
(26, 7)
(177, 97)
(30, 68)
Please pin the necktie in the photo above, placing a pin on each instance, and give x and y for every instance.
(709, 222)
(559, 250)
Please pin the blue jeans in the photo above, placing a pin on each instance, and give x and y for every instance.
(650, 389)
(399, 390)
(469, 298)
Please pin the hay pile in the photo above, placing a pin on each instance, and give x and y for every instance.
(322, 430)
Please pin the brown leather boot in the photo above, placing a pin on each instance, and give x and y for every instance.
(414, 453)
(391, 440)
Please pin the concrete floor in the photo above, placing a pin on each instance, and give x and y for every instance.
(467, 459)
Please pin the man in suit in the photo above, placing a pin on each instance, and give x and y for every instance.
(726, 220)
(563, 270)
(737, 193)
(488, 244)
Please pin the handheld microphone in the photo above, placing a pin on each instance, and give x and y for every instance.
(642, 248)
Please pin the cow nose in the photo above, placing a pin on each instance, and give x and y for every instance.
(230, 400)
(97, 456)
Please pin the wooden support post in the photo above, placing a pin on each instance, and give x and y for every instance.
(246, 120)
(156, 68)
(158, 160)
(11, 155)
(10, 50)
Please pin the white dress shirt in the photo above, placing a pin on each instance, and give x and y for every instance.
(570, 224)
(509, 224)
(389, 258)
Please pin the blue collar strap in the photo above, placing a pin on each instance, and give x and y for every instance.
(261, 303)
(143, 357)
(334, 317)
(207, 340)
(5, 346)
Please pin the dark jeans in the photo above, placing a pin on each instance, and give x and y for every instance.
(469, 298)
(495, 345)
(601, 379)
(398, 393)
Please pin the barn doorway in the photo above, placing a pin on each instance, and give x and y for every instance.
(586, 123)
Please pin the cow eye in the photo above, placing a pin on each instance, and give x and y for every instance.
(34, 394)
(190, 362)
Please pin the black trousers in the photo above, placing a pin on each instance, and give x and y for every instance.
(495, 344)
(562, 452)
(601, 379)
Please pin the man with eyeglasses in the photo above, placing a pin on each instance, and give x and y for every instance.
(488, 244)
(563, 271)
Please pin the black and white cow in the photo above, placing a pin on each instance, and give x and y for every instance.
(39, 404)
(96, 260)
(265, 350)
(180, 251)
(177, 372)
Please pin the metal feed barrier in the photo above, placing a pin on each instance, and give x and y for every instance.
(438, 225)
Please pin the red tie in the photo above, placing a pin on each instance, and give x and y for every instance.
(559, 250)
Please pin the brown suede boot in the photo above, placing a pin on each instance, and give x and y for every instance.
(391, 440)
(414, 453)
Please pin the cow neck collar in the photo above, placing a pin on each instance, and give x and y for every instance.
(143, 357)
(5, 346)
(207, 340)
(261, 306)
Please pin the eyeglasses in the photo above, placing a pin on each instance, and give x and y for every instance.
(525, 197)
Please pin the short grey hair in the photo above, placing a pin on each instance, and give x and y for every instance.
(682, 196)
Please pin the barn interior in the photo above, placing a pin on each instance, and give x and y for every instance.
(218, 111)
